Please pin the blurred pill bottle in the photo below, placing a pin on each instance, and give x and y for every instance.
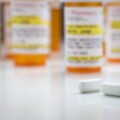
(7, 29)
(113, 31)
(83, 27)
(104, 39)
(30, 32)
(1, 27)
(56, 24)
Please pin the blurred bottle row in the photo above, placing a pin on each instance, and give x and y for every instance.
(33, 31)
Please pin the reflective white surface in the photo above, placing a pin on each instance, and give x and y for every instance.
(48, 93)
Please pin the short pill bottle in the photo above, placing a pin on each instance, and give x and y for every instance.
(30, 32)
(113, 31)
(83, 35)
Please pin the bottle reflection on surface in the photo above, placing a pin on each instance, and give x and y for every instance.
(33, 96)
(54, 109)
(111, 108)
(24, 97)
(81, 106)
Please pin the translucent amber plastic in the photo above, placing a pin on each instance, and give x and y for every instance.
(83, 70)
(55, 29)
(9, 56)
(29, 60)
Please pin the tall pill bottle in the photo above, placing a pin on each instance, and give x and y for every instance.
(30, 32)
(1, 28)
(113, 31)
(83, 21)
(55, 26)
(7, 29)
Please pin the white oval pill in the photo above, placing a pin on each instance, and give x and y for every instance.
(112, 89)
(91, 85)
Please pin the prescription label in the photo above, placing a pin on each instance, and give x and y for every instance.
(30, 26)
(113, 31)
(83, 36)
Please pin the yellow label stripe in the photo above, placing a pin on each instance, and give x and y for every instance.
(84, 30)
(116, 50)
(20, 46)
(9, 23)
(29, 20)
(115, 24)
(87, 58)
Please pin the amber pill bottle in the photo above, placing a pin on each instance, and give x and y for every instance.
(30, 32)
(83, 35)
(7, 29)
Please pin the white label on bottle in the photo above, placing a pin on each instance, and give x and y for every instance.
(83, 36)
(31, 26)
(113, 32)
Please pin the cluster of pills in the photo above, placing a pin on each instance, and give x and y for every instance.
(94, 85)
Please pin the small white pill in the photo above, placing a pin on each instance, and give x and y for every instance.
(112, 89)
(91, 85)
